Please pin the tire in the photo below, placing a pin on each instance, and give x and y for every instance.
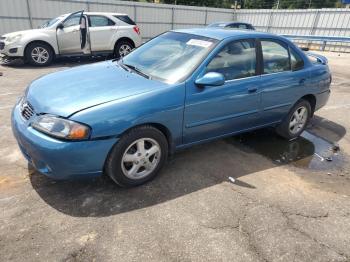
(289, 131)
(127, 156)
(39, 54)
(122, 48)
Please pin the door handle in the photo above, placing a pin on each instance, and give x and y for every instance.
(252, 89)
(302, 81)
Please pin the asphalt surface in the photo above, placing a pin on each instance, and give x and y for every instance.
(285, 201)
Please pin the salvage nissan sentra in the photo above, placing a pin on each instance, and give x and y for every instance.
(181, 88)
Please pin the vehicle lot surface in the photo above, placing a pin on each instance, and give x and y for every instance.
(290, 200)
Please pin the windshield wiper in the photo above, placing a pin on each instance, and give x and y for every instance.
(135, 69)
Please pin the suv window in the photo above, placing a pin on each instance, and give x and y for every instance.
(125, 19)
(236, 60)
(276, 57)
(73, 20)
(97, 21)
(297, 62)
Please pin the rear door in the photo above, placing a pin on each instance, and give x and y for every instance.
(102, 30)
(282, 81)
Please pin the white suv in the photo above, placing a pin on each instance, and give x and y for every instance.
(76, 34)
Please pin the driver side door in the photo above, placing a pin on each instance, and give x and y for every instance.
(69, 37)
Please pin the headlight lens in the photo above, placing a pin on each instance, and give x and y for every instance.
(14, 38)
(61, 128)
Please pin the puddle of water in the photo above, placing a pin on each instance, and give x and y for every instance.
(308, 151)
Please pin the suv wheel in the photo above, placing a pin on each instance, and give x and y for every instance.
(39, 54)
(122, 48)
(137, 157)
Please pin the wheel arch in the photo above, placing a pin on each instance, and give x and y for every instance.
(162, 128)
(41, 42)
(125, 39)
(312, 100)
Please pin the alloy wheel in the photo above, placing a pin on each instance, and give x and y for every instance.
(298, 120)
(141, 158)
(40, 55)
(124, 50)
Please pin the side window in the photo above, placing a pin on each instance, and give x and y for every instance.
(276, 57)
(236, 60)
(234, 26)
(297, 62)
(72, 21)
(242, 26)
(125, 19)
(98, 21)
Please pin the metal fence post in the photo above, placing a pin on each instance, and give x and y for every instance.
(135, 13)
(315, 22)
(269, 23)
(88, 5)
(206, 17)
(172, 18)
(29, 14)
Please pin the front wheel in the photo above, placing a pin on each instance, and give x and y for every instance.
(39, 54)
(295, 122)
(137, 157)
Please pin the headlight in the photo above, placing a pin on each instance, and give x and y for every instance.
(61, 128)
(14, 38)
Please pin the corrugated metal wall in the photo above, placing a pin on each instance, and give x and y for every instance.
(323, 22)
(154, 19)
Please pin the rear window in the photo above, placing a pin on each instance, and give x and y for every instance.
(125, 19)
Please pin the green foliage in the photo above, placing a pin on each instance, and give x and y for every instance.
(257, 4)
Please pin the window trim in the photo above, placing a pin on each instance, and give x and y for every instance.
(290, 54)
(110, 20)
(70, 16)
(261, 56)
(255, 41)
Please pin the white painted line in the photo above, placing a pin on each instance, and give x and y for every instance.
(5, 107)
(7, 94)
(336, 107)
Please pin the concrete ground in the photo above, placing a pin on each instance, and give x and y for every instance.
(290, 201)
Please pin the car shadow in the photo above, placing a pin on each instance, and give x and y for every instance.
(191, 170)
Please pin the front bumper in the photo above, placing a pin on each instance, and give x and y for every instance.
(60, 159)
(11, 49)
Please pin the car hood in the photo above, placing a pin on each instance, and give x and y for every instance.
(24, 32)
(66, 92)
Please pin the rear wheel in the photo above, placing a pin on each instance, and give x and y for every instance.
(295, 123)
(137, 157)
(122, 48)
(39, 54)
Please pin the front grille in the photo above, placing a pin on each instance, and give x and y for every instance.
(2, 45)
(27, 110)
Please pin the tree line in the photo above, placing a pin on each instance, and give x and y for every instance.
(255, 4)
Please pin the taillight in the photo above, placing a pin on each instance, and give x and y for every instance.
(136, 29)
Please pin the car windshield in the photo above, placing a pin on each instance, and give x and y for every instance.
(170, 57)
(52, 22)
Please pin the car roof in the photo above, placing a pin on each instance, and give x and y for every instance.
(230, 23)
(222, 33)
(103, 13)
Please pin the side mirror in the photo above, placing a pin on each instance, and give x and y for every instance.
(211, 79)
(60, 26)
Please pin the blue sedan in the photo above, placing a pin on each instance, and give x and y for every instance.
(184, 87)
